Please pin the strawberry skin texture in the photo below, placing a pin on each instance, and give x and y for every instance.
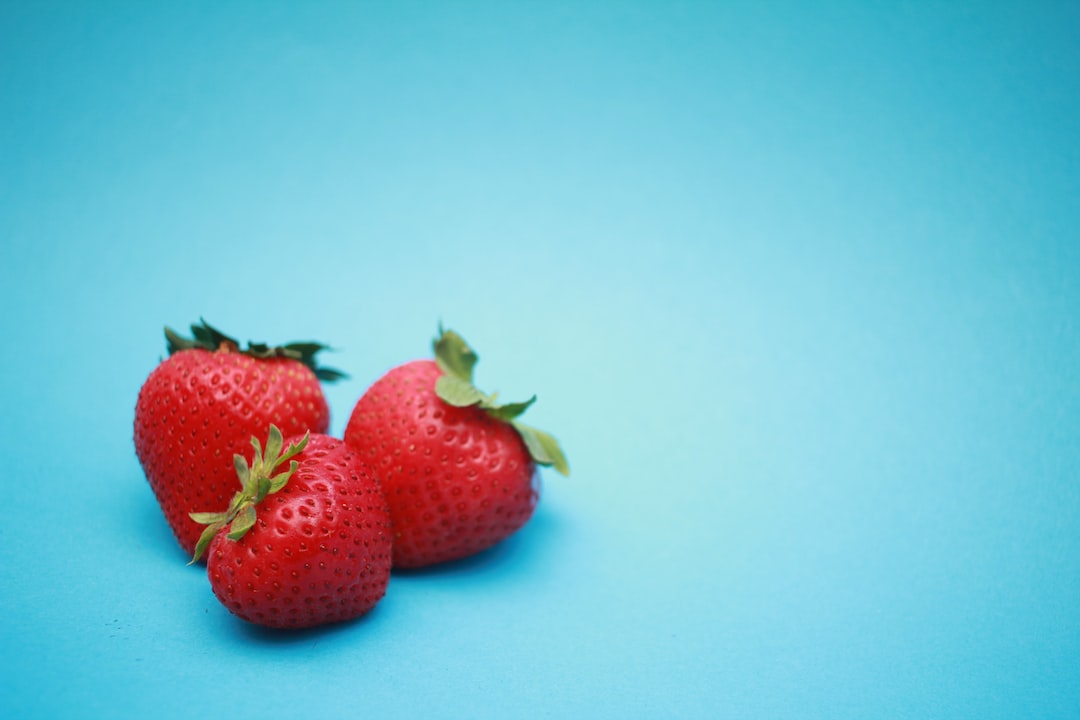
(319, 551)
(198, 408)
(457, 480)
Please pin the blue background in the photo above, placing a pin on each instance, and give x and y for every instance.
(797, 285)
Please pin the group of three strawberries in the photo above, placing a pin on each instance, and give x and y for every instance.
(430, 470)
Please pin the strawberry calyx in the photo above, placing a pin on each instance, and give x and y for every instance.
(206, 337)
(257, 480)
(455, 387)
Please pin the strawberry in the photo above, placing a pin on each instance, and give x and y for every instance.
(303, 547)
(458, 469)
(203, 403)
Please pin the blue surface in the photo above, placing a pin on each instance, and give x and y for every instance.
(797, 286)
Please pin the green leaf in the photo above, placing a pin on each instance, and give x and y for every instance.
(303, 349)
(204, 337)
(257, 459)
(265, 485)
(457, 392)
(294, 449)
(242, 470)
(273, 446)
(509, 411)
(327, 374)
(244, 521)
(282, 479)
(209, 518)
(215, 336)
(544, 448)
(259, 350)
(175, 342)
(454, 356)
(207, 337)
(237, 500)
(205, 540)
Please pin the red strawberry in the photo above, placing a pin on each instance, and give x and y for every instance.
(304, 547)
(205, 401)
(458, 470)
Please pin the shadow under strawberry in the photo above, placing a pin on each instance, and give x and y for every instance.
(250, 632)
(144, 527)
